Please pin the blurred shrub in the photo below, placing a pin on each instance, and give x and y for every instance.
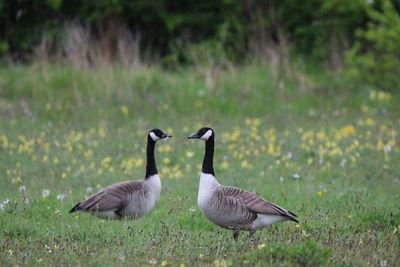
(374, 59)
(187, 31)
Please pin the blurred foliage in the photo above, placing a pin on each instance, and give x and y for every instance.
(374, 57)
(362, 33)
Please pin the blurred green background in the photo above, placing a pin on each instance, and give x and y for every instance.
(303, 97)
(360, 36)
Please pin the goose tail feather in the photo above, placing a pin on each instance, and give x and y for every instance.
(75, 208)
(291, 218)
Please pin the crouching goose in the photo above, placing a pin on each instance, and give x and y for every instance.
(128, 199)
(232, 207)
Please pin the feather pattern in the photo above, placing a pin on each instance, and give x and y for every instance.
(232, 207)
(128, 199)
(131, 199)
(254, 203)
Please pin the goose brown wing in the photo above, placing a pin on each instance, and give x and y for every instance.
(111, 197)
(254, 202)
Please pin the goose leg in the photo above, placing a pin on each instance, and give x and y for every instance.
(251, 234)
(236, 234)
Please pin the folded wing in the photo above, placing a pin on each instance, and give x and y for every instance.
(110, 198)
(255, 203)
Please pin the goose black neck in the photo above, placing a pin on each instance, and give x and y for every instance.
(151, 167)
(208, 157)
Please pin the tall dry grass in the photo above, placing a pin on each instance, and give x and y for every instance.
(82, 47)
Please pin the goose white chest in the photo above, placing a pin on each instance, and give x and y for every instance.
(149, 200)
(144, 200)
(208, 185)
(154, 183)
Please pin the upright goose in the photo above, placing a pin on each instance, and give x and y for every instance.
(232, 207)
(128, 199)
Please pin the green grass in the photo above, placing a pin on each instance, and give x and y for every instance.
(65, 130)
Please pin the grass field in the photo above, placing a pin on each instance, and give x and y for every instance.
(329, 154)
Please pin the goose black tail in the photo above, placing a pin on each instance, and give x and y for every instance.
(292, 214)
(75, 208)
(292, 219)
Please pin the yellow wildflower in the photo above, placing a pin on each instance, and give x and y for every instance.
(125, 110)
(222, 263)
(88, 153)
(306, 135)
(261, 246)
(199, 104)
(380, 145)
(348, 130)
(106, 161)
(370, 122)
(102, 132)
(246, 164)
(224, 165)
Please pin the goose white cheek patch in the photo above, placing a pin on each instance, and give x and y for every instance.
(206, 135)
(154, 136)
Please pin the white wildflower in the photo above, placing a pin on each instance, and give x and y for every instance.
(89, 189)
(201, 93)
(342, 162)
(152, 261)
(296, 176)
(22, 188)
(4, 203)
(60, 196)
(45, 192)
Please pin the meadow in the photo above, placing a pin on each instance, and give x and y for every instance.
(317, 148)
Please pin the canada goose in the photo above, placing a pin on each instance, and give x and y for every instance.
(232, 207)
(128, 199)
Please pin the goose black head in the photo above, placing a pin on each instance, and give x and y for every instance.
(157, 134)
(204, 134)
